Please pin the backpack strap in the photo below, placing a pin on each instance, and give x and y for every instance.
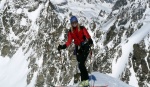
(69, 30)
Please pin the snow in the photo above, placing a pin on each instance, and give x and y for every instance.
(84, 9)
(133, 81)
(62, 36)
(19, 11)
(92, 11)
(127, 48)
(34, 14)
(127, 24)
(33, 81)
(147, 15)
(106, 26)
(14, 71)
(99, 79)
(12, 35)
(2, 4)
(23, 22)
(58, 1)
(119, 66)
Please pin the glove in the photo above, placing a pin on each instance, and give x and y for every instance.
(90, 41)
(62, 47)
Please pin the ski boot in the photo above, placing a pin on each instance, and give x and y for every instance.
(84, 83)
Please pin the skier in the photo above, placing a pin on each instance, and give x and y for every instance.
(83, 42)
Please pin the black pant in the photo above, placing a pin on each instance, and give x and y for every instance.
(82, 55)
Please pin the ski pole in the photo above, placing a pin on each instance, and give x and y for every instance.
(61, 59)
(61, 65)
(60, 56)
(91, 65)
(91, 60)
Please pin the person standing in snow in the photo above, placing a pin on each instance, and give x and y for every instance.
(83, 42)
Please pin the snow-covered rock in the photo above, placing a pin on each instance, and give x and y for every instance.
(58, 2)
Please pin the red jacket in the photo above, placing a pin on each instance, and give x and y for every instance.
(77, 36)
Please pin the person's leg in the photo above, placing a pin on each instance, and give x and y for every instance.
(81, 58)
(84, 73)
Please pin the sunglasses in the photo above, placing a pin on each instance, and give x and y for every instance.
(74, 22)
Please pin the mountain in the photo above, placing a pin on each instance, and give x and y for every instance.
(31, 30)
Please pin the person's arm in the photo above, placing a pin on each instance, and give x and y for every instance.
(87, 35)
(85, 32)
(69, 39)
(67, 43)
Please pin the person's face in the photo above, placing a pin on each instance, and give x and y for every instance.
(74, 24)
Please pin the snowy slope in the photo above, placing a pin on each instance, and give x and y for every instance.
(14, 71)
(85, 11)
(99, 79)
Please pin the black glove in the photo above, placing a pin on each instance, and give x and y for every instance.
(90, 41)
(62, 47)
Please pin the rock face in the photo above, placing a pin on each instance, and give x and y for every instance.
(119, 3)
(19, 28)
(140, 63)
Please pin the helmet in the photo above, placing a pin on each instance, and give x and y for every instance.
(73, 19)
